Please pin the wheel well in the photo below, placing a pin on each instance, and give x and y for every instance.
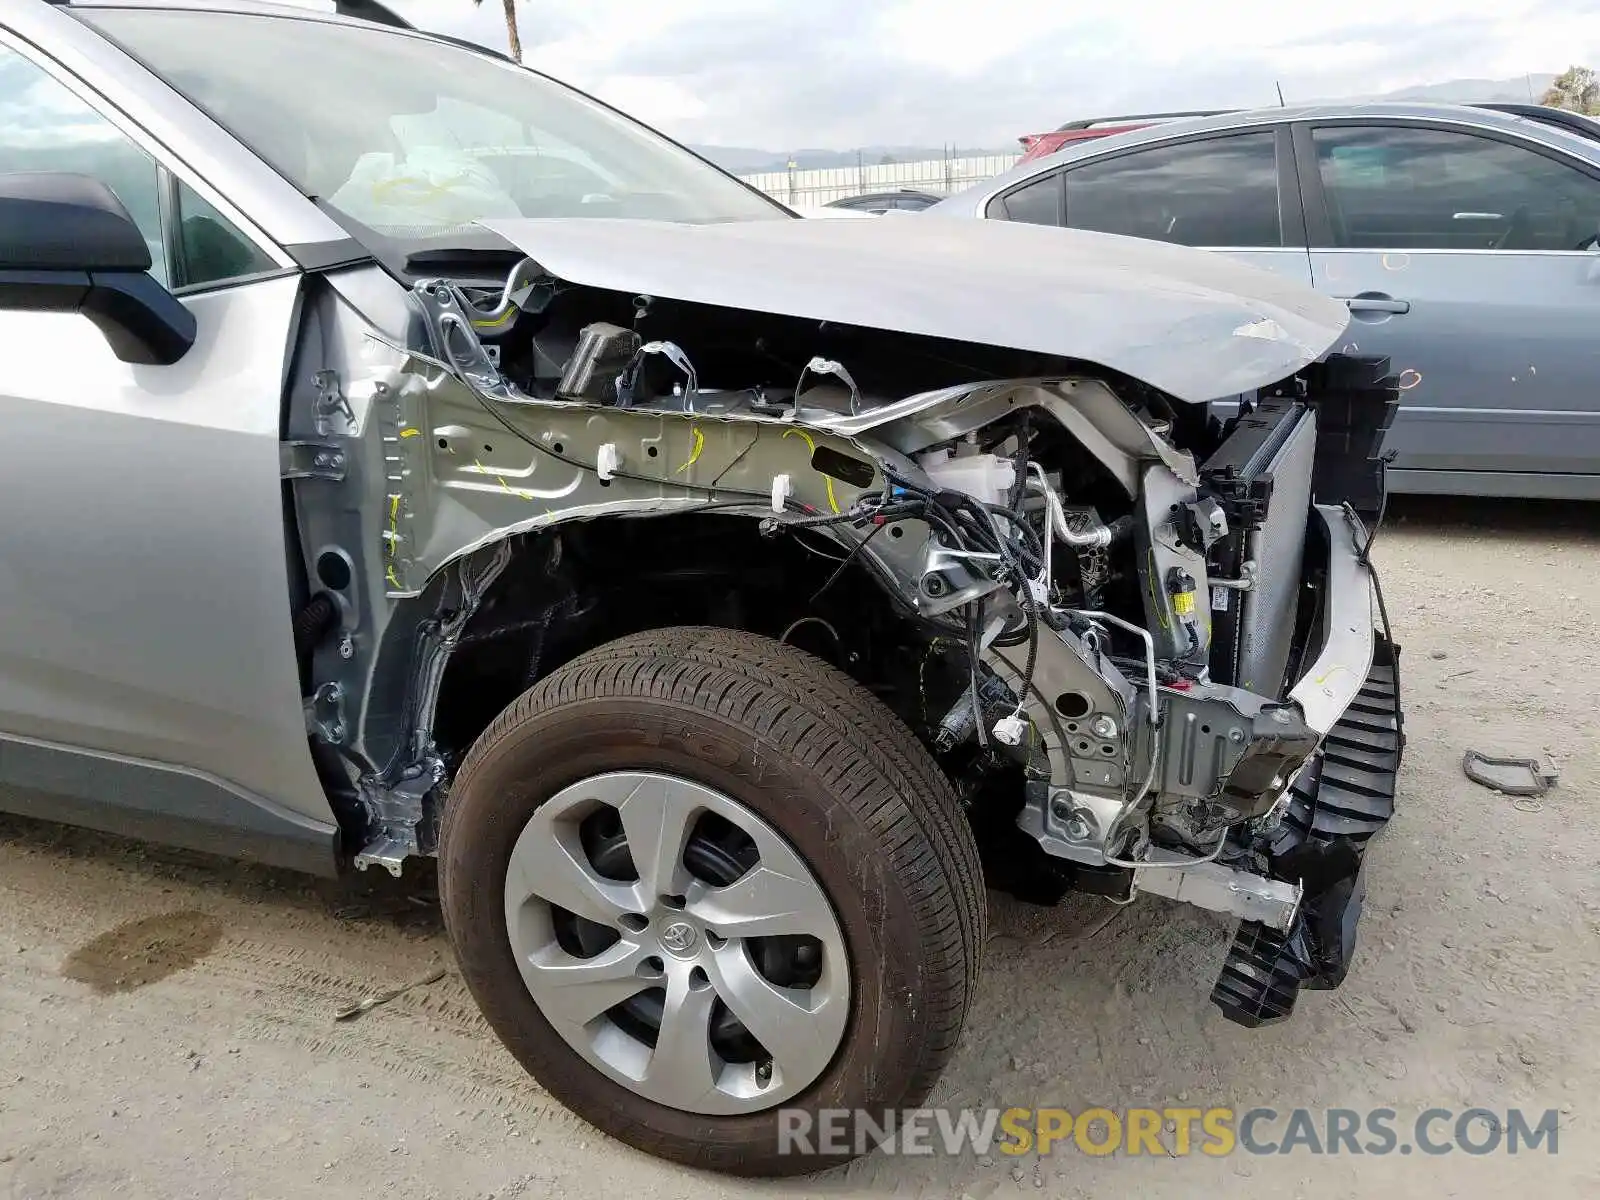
(591, 582)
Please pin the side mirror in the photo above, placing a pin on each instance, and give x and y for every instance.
(68, 245)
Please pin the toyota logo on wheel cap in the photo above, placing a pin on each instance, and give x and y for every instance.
(679, 937)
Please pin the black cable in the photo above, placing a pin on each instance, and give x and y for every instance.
(963, 503)
(970, 524)
(1033, 549)
(979, 522)
(745, 504)
(824, 520)
(1033, 649)
(933, 514)
(1383, 507)
(739, 457)
(1024, 437)
(974, 632)
(1364, 558)
(1012, 556)
(1045, 707)
(977, 525)
(903, 483)
(1021, 522)
(859, 512)
(1006, 641)
(809, 549)
(847, 560)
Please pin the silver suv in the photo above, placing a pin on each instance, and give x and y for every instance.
(409, 457)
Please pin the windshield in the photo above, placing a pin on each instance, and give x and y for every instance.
(415, 139)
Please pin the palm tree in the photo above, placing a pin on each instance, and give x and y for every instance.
(1576, 89)
(511, 28)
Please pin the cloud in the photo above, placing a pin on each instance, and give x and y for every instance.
(843, 73)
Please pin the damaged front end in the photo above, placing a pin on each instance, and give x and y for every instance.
(1141, 641)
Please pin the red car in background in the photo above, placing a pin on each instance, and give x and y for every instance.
(1041, 145)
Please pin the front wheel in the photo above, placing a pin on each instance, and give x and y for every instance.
(695, 879)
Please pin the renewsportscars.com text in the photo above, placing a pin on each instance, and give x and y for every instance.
(1170, 1132)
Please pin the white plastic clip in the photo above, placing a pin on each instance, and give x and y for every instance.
(782, 489)
(607, 461)
(1008, 731)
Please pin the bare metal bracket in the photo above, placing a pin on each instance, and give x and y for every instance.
(330, 403)
(399, 815)
(403, 819)
(1248, 575)
(1220, 888)
(311, 460)
(325, 714)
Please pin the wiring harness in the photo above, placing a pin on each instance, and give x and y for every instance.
(996, 540)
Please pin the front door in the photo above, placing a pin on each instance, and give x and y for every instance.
(1472, 261)
(144, 596)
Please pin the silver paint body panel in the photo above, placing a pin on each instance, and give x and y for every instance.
(1193, 324)
(144, 587)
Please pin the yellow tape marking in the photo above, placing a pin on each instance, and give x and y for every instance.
(694, 453)
(509, 490)
(812, 446)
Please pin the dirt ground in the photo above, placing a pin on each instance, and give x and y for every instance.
(167, 1021)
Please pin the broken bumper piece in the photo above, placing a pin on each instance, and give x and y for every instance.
(1349, 638)
(1343, 797)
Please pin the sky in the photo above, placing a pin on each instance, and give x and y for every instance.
(796, 74)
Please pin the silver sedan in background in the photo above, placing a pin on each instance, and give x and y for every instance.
(1466, 243)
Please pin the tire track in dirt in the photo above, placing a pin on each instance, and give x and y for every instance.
(432, 1035)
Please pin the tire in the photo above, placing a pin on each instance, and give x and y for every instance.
(808, 754)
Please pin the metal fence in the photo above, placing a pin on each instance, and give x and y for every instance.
(944, 176)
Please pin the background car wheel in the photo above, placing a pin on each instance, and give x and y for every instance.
(695, 877)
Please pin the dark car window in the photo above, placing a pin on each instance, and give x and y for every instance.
(871, 202)
(1392, 187)
(1036, 203)
(210, 248)
(1216, 192)
(44, 127)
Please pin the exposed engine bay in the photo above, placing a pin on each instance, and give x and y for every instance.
(1138, 638)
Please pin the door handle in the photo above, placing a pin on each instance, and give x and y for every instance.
(1377, 304)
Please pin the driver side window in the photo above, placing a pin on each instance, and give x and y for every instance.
(45, 127)
(1400, 188)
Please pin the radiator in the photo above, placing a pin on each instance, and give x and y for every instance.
(1264, 470)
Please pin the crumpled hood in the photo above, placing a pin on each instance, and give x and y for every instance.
(1197, 325)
